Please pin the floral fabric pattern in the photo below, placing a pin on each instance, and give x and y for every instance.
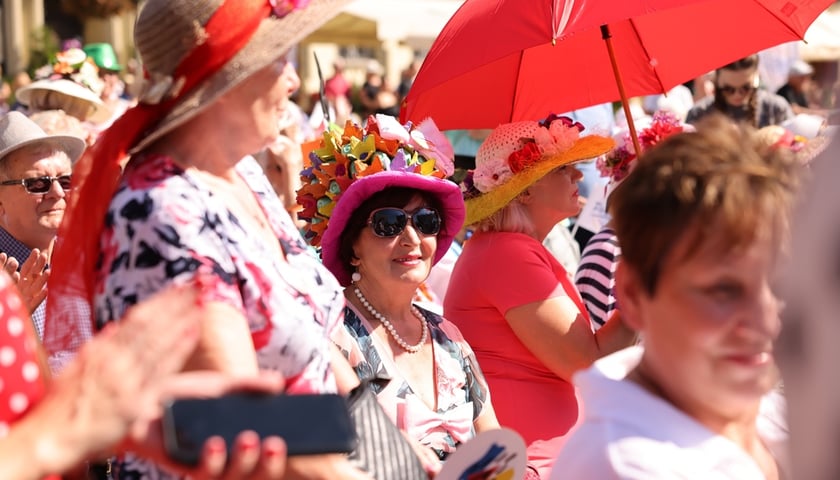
(461, 388)
(164, 224)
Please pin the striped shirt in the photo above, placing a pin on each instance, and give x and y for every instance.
(595, 277)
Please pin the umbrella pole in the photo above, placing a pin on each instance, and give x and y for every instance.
(605, 34)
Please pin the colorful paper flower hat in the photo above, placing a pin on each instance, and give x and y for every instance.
(353, 163)
(516, 155)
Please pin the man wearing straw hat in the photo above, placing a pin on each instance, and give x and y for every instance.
(35, 174)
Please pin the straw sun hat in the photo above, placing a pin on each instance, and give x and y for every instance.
(166, 31)
(516, 155)
(69, 82)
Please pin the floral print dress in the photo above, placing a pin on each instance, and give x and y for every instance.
(164, 225)
(461, 388)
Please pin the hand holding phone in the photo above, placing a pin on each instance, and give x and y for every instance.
(309, 424)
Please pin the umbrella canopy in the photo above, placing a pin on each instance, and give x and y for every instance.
(499, 61)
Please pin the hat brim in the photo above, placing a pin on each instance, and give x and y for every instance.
(72, 146)
(486, 204)
(61, 85)
(447, 193)
(273, 38)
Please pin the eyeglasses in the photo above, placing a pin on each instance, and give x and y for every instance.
(390, 222)
(40, 185)
(743, 89)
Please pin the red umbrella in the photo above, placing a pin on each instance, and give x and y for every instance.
(499, 61)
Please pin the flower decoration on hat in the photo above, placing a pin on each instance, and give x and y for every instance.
(345, 155)
(536, 142)
(779, 138)
(618, 163)
(73, 64)
(281, 8)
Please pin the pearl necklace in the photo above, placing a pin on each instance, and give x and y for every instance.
(390, 327)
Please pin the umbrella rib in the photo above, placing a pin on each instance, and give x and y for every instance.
(781, 20)
(647, 55)
(515, 87)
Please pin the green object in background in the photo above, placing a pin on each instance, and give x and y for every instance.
(103, 55)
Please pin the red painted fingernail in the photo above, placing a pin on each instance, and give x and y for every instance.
(216, 446)
(249, 443)
(272, 451)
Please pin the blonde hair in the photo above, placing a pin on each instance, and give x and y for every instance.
(512, 218)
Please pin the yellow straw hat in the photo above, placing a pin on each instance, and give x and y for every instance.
(516, 155)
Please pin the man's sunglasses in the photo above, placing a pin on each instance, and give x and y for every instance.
(743, 89)
(40, 185)
(390, 222)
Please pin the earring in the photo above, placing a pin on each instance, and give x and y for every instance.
(355, 277)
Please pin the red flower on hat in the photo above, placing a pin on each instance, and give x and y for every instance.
(282, 8)
(524, 157)
(617, 164)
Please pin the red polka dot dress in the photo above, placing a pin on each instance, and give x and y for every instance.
(21, 380)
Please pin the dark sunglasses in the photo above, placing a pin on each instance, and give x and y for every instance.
(39, 185)
(743, 89)
(390, 222)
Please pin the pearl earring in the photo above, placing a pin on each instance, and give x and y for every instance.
(356, 277)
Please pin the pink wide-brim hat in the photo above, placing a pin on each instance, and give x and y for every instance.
(447, 193)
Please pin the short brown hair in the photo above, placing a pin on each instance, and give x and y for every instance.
(713, 184)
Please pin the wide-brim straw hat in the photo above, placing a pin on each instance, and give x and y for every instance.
(446, 192)
(166, 31)
(504, 141)
(18, 131)
(67, 87)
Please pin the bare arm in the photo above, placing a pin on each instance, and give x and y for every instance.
(555, 332)
(345, 376)
(225, 345)
(486, 419)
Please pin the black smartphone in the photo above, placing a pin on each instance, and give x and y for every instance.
(309, 424)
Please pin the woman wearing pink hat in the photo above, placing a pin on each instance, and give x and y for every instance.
(512, 300)
(383, 216)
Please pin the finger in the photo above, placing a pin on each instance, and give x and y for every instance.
(213, 459)
(3, 258)
(41, 262)
(40, 282)
(12, 267)
(33, 300)
(27, 268)
(273, 459)
(245, 455)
